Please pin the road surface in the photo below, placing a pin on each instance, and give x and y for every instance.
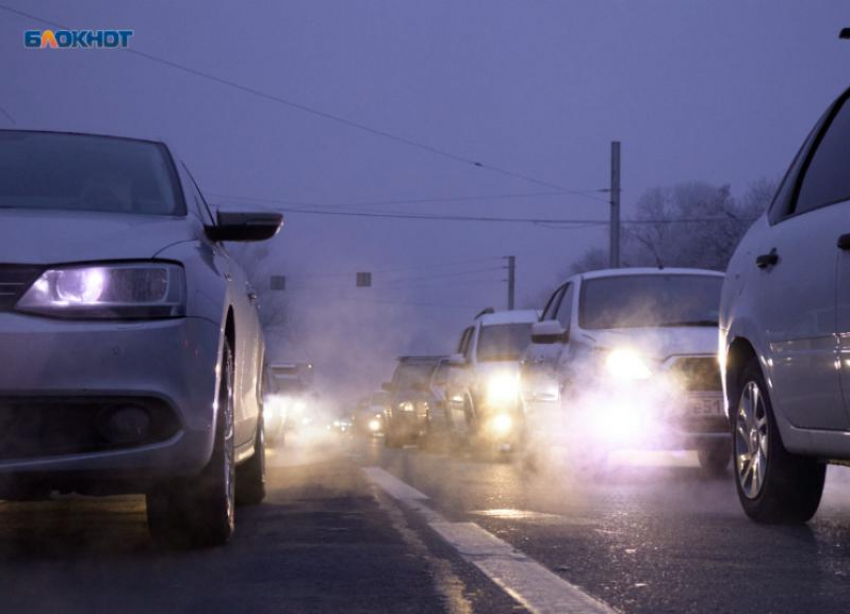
(350, 526)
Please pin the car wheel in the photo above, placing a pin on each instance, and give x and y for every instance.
(200, 511)
(251, 475)
(715, 458)
(773, 484)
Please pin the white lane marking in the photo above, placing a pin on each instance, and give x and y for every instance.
(527, 581)
(392, 485)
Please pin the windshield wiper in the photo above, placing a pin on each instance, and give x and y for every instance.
(691, 323)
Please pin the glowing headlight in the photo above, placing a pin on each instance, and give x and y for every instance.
(142, 290)
(406, 406)
(501, 424)
(502, 389)
(374, 425)
(627, 365)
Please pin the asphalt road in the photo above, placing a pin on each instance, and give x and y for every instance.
(653, 536)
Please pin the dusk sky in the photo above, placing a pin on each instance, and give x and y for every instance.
(722, 91)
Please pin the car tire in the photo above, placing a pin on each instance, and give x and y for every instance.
(251, 475)
(774, 485)
(200, 511)
(715, 458)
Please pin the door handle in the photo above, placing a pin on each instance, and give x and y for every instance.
(767, 260)
(844, 242)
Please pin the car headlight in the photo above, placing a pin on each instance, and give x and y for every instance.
(502, 389)
(109, 291)
(374, 425)
(627, 365)
(501, 424)
(406, 406)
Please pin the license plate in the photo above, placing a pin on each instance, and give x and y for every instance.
(705, 407)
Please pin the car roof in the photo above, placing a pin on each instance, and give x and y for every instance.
(426, 359)
(519, 316)
(630, 271)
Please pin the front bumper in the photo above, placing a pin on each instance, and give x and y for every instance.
(75, 366)
(650, 415)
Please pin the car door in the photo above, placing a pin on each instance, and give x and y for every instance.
(539, 367)
(457, 391)
(795, 281)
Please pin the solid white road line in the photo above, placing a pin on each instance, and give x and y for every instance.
(523, 578)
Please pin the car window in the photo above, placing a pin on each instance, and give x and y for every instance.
(503, 341)
(75, 172)
(782, 200)
(465, 345)
(552, 304)
(409, 373)
(826, 179)
(565, 307)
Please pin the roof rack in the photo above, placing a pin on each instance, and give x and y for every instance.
(484, 312)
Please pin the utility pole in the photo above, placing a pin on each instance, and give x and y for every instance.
(511, 281)
(615, 206)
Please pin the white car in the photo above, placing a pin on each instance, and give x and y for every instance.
(131, 348)
(482, 396)
(627, 359)
(785, 332)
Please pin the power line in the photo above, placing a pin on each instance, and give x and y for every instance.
(565, 224)
(381, 203)
(418, 267)
(321, 114)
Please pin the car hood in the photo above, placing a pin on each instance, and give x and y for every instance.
(658, 343)
(52, 237)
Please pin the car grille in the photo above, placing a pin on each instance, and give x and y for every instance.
(14, 281)
(698, 373)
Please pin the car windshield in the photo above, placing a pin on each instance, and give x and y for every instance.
(74, 172)
(641, 301)
(503, 341)
(408, 374)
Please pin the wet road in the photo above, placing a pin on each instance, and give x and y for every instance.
(654, 536)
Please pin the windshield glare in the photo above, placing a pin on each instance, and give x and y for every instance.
(74, 172)
(503, 341)
(640, 301)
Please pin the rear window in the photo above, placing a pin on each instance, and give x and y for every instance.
(75, 172)
(503, 341)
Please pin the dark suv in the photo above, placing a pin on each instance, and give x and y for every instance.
(407, 409)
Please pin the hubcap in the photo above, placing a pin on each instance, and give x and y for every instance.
(751, 438)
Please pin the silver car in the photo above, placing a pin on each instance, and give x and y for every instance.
(131, 349)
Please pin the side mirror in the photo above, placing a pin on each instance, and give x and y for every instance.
(387, 387)
(247, 226)
(457, 360)
(548, 332)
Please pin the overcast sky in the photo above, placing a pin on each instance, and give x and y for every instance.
(722, 91)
